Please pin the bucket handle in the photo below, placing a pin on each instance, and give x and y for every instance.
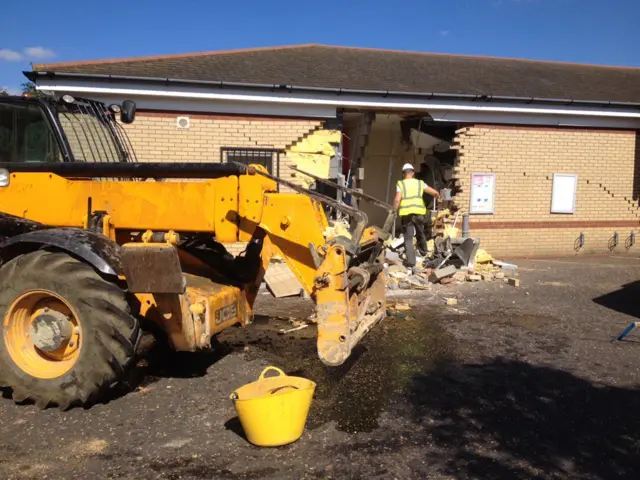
(276, 369)
(277, 389)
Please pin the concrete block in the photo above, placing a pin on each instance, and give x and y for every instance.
(487, 277)
(473, 277)
(460, 276)
(498, 275)
(441, 273)
(452, 301)
(514, 282)
(392, 257)
(281, 281)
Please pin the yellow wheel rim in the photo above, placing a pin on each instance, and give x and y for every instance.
(19, 341)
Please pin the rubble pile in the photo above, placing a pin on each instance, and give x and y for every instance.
(449, 259)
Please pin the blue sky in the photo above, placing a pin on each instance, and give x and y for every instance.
(586, 31)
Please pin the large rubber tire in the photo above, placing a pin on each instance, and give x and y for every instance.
(109, 332)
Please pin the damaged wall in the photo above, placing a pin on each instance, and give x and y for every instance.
(313, 154)
(524, 160)
(383, 159)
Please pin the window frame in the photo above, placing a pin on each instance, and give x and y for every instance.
(560, 211)
(257, 152)
(50, 119)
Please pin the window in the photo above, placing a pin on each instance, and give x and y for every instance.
(259, 156)
(25, 135)
(563, 193)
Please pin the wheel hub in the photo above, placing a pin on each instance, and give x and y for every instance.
(50, 329)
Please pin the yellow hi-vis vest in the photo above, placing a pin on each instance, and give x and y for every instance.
(412, 203)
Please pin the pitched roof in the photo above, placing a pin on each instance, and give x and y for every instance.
(382, 70)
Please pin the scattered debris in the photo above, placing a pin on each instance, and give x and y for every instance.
(482, 256)
(392, 257)
(296, 323)
(337, 229)
(395, 310)
(448, 259)
(504, 265)
(397, 269)
(401, 307)
(418, 283)
(441, 273)
(283, 331)
(486, 268)
(394, 243)
(460, 276)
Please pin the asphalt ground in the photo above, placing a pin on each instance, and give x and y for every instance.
(512, 382)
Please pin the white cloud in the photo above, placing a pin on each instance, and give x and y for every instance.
(444, 33)
(10, 55)
(39, 52)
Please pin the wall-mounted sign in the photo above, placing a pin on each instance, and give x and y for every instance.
(563, 193)
(483, 187)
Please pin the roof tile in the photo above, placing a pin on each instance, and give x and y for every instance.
(371, 69)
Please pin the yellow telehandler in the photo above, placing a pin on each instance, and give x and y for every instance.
(95, 247)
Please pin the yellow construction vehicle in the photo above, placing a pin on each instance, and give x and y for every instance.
(96, 247)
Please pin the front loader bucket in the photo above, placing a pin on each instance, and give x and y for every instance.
(349, 303)
(342, 274)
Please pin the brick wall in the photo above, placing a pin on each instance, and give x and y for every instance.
(156, 138)
(524, 161)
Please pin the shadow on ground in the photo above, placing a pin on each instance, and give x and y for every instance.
(508, 419)
(626, 300)
(158, 360)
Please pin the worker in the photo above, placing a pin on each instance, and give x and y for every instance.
(412, 211)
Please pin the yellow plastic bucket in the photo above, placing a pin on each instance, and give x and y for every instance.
(273, 410)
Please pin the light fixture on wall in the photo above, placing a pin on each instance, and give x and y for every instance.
(183, 123)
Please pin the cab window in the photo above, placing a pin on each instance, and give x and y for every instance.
(25, 135)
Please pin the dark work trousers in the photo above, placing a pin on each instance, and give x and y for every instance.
(413, 225)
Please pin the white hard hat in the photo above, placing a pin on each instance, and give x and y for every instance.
(407, 166)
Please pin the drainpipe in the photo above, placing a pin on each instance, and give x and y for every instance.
(465, 225)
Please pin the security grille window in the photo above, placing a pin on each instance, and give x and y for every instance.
(93, 134)
(268, 158)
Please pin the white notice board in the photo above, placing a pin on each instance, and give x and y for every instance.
(563, 194)
(483, 187)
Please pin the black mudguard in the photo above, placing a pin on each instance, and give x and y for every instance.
(94, 248)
